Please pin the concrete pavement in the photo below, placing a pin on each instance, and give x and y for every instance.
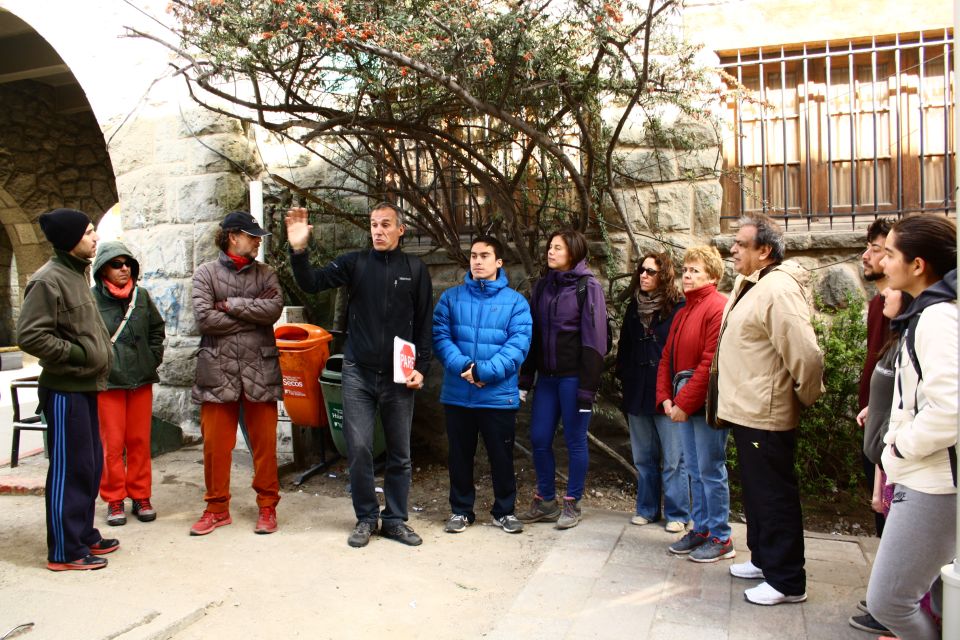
(604, 579)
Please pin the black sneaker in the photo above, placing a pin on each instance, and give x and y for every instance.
(144, 510)
(509, 523)
(867, 622)
(688, 542)
(361, 533)
(456, 523)
(87, 563)
(401, 533)
(105, 546)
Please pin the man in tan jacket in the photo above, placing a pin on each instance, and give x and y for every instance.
(236, 300)
(769, 367)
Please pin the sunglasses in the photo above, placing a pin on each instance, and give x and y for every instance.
(650, 272)
(118, 264)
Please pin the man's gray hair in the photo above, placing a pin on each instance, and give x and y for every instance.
(769, 234)
(389, 205)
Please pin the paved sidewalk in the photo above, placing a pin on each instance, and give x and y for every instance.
(603, 579)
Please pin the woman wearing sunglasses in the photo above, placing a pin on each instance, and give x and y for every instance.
(136, 330)
(654, 439)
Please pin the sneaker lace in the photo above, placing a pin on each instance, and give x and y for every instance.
(142, 504)
(569, 510)
(116, 508)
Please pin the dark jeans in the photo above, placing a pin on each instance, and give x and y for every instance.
(364, 391)
(498, 429)
(73, 477)
(771, 500)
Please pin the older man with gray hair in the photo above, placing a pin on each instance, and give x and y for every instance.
(769, 366)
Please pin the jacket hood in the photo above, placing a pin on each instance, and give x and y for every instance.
(486, 287)
(943, 291)
(569, 277)
(110, 250)
(788, 267)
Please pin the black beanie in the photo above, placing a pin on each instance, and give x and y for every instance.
(64, 227)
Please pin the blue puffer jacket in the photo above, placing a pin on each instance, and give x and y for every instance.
(487, 323)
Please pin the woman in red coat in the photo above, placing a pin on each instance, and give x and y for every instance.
(682, 392)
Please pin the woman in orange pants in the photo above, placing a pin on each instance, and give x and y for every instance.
(137, 332)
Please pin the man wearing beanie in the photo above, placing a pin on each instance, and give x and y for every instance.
(236, 300)
(61, 325)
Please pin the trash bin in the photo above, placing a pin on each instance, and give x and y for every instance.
(304, 350)
(331, 381)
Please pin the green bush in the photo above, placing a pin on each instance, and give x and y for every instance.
(829, 441)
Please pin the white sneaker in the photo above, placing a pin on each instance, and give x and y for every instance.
(766, 595)
(746, 570)
(639, 520)
(676, 527)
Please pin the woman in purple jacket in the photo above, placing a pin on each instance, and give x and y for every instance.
(566, 356)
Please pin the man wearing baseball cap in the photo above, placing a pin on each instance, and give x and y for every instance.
(236, 300)
(61, 325)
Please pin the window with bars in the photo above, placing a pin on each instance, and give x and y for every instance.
(861, 128)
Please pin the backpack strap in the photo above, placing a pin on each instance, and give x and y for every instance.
(126, 316)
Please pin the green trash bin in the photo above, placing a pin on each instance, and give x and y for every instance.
(331, 381)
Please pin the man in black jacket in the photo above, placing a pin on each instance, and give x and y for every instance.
(390, 296)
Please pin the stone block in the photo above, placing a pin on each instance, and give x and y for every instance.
(202, 122)
(164, 251)
(172, 297)
(697, 133)
(634, 202)
(649, 166)
(173, 405)
(698, 163)
(634, 129)
(836, 283)
(208, 197)
(26, 234)
(670, 207)
(179, 366)
(707, 199)
(164, 437)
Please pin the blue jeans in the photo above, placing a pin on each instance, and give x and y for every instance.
(553, 398)
(705, 457)
(658, 455)
(364, 391)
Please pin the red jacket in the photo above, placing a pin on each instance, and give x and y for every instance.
(690, 345)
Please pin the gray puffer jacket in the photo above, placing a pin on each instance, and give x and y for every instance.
(238, 351)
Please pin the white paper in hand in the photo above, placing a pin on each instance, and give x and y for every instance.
(404, 359)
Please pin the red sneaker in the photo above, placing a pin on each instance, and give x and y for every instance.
(105, 546)
(267, 521)
(210, 521)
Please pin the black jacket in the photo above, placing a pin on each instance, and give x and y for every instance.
(393, 298)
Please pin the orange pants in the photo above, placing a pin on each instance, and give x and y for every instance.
(125, 416)
(218, 423)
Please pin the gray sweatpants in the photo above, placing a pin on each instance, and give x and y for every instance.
(918, 539)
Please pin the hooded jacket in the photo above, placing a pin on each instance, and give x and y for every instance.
(59, 324)
(769, 361)
(138, 350)
(238, 352)
(923, 420)
(486, 323)
(568, 340)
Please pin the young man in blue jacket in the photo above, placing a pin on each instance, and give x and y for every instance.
(481, 335)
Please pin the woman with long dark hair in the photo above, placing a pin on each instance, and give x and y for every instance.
(920, 453)
(564, 368)
(654, 439)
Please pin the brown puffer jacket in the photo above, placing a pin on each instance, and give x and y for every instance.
(238, 351)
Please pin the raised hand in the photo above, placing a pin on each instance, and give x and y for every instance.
(298, 229)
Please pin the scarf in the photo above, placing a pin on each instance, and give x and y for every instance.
(239, 261)
(648, 305)
(121, 293)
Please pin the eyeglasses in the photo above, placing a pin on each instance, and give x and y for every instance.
(118, 264)
(650, 272)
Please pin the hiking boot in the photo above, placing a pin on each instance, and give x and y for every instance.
(675, 526)
(571, 514)
(746, 570)
(401, 532)
(104, 546)
(541, 511)
(144, 510)
(714, 549)
(210, 521)
(361, 533)
(867, 622)
(509, 523)
(87, 563)
(456, 523)
(266, 521)
(115, 515)
(764, 594)
(690, 541)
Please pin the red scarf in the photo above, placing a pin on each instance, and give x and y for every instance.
(121, 293)
(239, 261)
